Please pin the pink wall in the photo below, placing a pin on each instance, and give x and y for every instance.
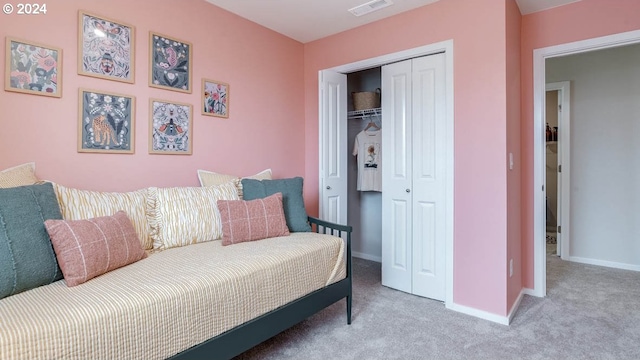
(578, 21)
(514, 232)
(478, 31)
(264, 70)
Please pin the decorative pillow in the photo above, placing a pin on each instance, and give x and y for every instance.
(252, 220)
(89, 248)
(83, 204)
(209, 178)
(27, 259)
(292, 200)
(20, 175)
(187, 215)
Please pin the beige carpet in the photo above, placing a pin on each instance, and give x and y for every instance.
(590, 312)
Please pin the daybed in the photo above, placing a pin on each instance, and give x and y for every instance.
(201, 301)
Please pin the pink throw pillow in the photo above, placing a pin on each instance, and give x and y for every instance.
(89, 248)
(252, 219)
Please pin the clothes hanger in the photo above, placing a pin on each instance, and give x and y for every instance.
(371, 124)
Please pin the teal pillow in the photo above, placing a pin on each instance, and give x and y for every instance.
(27, 259)
(292, 201)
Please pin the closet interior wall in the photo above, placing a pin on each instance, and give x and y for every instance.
(364, 208)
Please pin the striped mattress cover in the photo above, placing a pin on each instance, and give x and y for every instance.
(168, 302)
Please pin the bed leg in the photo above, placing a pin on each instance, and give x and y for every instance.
(348, 310)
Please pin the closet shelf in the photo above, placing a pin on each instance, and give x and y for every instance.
(364, 114)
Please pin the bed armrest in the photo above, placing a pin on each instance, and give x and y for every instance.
(333, 227)
(338, 230)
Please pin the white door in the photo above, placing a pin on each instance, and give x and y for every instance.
(333, 146)
(564, 168)
(429, 176)
(396, 176)
(414, 176)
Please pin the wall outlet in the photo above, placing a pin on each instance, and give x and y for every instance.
(511, 268)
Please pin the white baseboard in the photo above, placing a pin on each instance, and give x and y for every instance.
(504, 320)
(366, 256)
(515, 306)
(532, 292)
(610, 264)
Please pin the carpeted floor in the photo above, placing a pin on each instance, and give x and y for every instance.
(590, 312)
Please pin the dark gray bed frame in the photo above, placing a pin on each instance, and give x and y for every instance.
(243, 337)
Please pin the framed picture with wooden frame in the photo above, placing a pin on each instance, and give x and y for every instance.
(170, 127)
(170, 63)
(105, 122)
(33, 68)
(105, 48)
(215, 98)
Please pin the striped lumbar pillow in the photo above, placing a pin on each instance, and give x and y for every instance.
(187, 215)
(252, 220)
(89, 248)
(84, 204)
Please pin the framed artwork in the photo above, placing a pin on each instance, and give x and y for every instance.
(105, 122)
(105, 48)
(215, 98)
(171, 127)
(170, 63)
(33, 68)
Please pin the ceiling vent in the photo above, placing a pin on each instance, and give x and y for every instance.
(371, 6)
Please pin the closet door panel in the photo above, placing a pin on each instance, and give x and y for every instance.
(396, 176)
(399, 231)
(424, 250)
(429, 174)
(333, 139)
(424, 127)
(400, 156)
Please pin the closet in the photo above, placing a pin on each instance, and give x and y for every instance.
(364, 208)
(408, 226)
(414, 172)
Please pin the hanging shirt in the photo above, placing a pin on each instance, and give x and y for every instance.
(368, 150)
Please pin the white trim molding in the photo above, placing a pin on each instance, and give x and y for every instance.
(598, 262)
(515, 306)
(361, 255)
(503, 320)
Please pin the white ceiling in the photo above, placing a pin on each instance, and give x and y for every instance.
(531, 6)
(308, 20)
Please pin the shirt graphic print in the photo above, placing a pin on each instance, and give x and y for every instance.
(368, 148)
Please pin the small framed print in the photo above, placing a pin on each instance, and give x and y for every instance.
(170, 63)
(171, 127)
(105, 48)
(105, 122)
(215, 98)
(33, 68)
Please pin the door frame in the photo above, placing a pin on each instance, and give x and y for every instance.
(563, 209)
(539, 57)
(443, 46)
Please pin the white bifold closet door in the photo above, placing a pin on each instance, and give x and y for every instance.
(333, 147)
(414, 176)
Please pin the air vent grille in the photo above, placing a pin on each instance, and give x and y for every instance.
(371, 6)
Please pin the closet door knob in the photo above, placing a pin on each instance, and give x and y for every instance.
(408, 190)
(328, 187)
